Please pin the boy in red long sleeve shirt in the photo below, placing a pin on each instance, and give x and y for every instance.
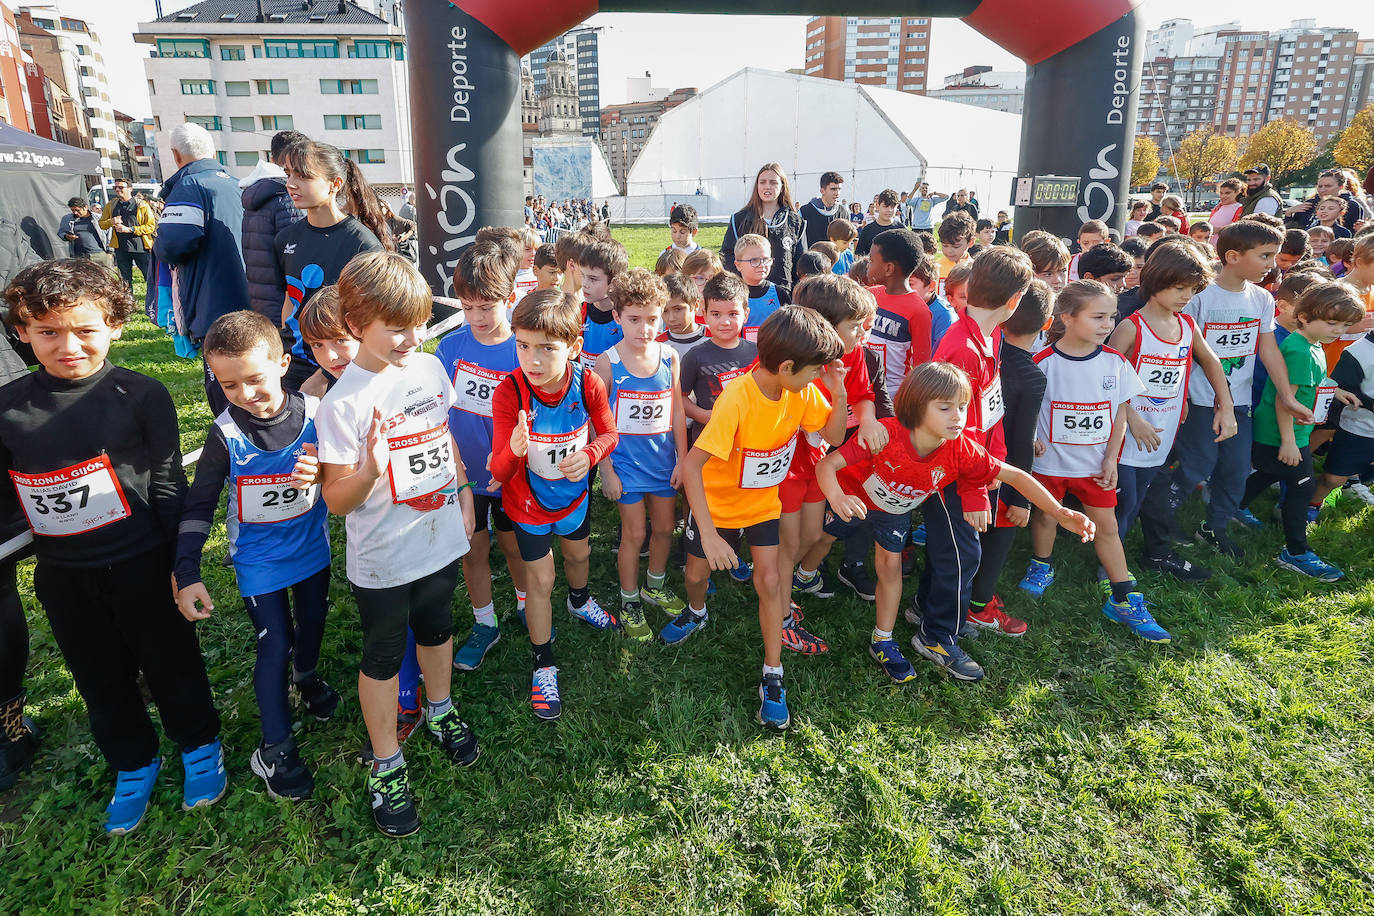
(551, 425)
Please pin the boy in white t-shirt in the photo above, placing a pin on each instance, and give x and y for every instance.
(388, 465)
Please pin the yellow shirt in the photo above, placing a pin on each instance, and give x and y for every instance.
(946, 265)
(751, 439)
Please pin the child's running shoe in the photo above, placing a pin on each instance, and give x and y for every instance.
(1248, 519)
(994, 617)
(1219, 541)
(857, 577)
(818, 585)
(1135, 616)
(664, 600)
(133, 790)
(684, 625)
(799, 640)
(1362, 492)
(544, 693)
(949, 658)
(918, 535)
(320, 700)
(1181, 569)
(742, 572)
(593, 614)
(280, 767)
(1039, 576)
(632, 622)
(454, 736)
(475, 649)
(406, 720)
(1309, 564)
(206, 779)
(890, 658)
(393, 809)
(17, 750)
(773, 703)
(1313, 512)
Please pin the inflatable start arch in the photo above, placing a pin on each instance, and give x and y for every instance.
(1083, 59)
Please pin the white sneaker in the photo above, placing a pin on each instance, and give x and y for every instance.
(1362, 492)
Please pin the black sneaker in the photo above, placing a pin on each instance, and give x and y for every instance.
(319, 698)
(1179, 568)
(1219, 541)
(393, 810)
(16, 754)
(280, 767)
(949, 658)
(454, 736)
(856, 576)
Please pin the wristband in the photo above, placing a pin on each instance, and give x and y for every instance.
(464, 487)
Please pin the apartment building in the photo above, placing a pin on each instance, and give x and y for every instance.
(888, 52)
(626, 128)
(76, 51)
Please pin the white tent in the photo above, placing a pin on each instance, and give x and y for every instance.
(571, 167)
(707, 150)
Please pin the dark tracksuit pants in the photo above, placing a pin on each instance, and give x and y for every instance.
(952, 555)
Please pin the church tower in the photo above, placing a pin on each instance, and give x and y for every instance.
(558, 105)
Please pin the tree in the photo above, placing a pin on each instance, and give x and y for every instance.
(1144, 161)
(1326, 159)
(1201, 157)
(1285, 145)
(1355, 147)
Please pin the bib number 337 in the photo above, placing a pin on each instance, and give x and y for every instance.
(72, 500)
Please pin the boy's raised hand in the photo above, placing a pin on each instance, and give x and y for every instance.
(576, 465)
(520, 436)
(1078, 523)
(306, 473)
(194, 602)
(375, 448)
(833, 376)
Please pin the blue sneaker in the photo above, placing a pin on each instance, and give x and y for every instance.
(206, 779)
(133, 791)
(893, 662)
(593, 614)
(1309, 564)
(918, 535)
(949, 658)
(773, 703)
(544, 696)
(480, 641)
(710, 586)
(1248, 519)
(742, 572)
(1312, 513)
(818, 585)
(1133, 614)
(684, 625)
(1039, 576)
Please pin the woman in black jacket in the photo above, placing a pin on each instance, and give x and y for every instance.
(772, 214)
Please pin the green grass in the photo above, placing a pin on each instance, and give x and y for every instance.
(646, 243)
(1089, 774)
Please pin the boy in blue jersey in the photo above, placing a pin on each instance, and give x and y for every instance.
(263, 445)
(600, 264)
(753, 260)
(477, 357)
(641, 378)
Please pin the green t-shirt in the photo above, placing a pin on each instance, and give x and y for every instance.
(1306, 368)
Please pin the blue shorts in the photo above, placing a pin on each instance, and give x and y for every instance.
(889, 531)
(537, 540)
(629, 499)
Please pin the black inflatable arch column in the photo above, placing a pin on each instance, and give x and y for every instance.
(1083, 60)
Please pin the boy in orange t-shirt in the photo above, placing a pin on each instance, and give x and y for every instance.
(732, 473)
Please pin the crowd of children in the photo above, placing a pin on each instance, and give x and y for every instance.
(904, 392)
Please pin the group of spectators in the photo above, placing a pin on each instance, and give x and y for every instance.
(551, 217)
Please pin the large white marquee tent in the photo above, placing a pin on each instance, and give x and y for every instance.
(707, 150)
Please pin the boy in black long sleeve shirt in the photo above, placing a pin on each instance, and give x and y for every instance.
(92, 453)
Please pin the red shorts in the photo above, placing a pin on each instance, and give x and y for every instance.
(794, 491)
(1088, 492)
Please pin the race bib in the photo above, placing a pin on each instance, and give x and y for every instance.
(993, 406)
(888, 500)
(729, 376)
(548, 450)
(880, 348)
(1326, 393)
(473, 387)
(271, 498)
(421, 463)
(760, 470)
(1162, 375)
(643, 413)
(588, 360)
(1073, 423)
(1367, 315)
(1231, 339)
(751, 334)
(72, 500)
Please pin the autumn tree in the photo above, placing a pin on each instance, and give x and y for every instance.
(1144, 161)
(1200, 158)
(1355, 147)
(1285, 145)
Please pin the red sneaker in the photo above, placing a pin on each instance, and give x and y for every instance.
(801, 641)
(994, 617)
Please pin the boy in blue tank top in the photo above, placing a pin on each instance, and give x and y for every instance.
(600, 264)
(641, 378)
(264, 447)
(478, 356)
(753, 260)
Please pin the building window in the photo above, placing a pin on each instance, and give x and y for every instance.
(273, 87)
(353, 122)
(178, 47)
(151, 90)
(277, 122)
(241, 124)
(400, 51)
(221, 156)
(236, 87)
(231, 52)
(249, 159)
(348, 87)
(369, 49)
(276, 47)
(209, 122)
(366, 156)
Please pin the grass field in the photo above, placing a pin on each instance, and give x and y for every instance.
(1089, 774)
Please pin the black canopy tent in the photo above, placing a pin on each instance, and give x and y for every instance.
(37, 178)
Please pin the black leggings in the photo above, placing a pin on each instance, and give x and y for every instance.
(426, 605)
(280, 639)
(996, 545)
(14, 635)
(1301, 481)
